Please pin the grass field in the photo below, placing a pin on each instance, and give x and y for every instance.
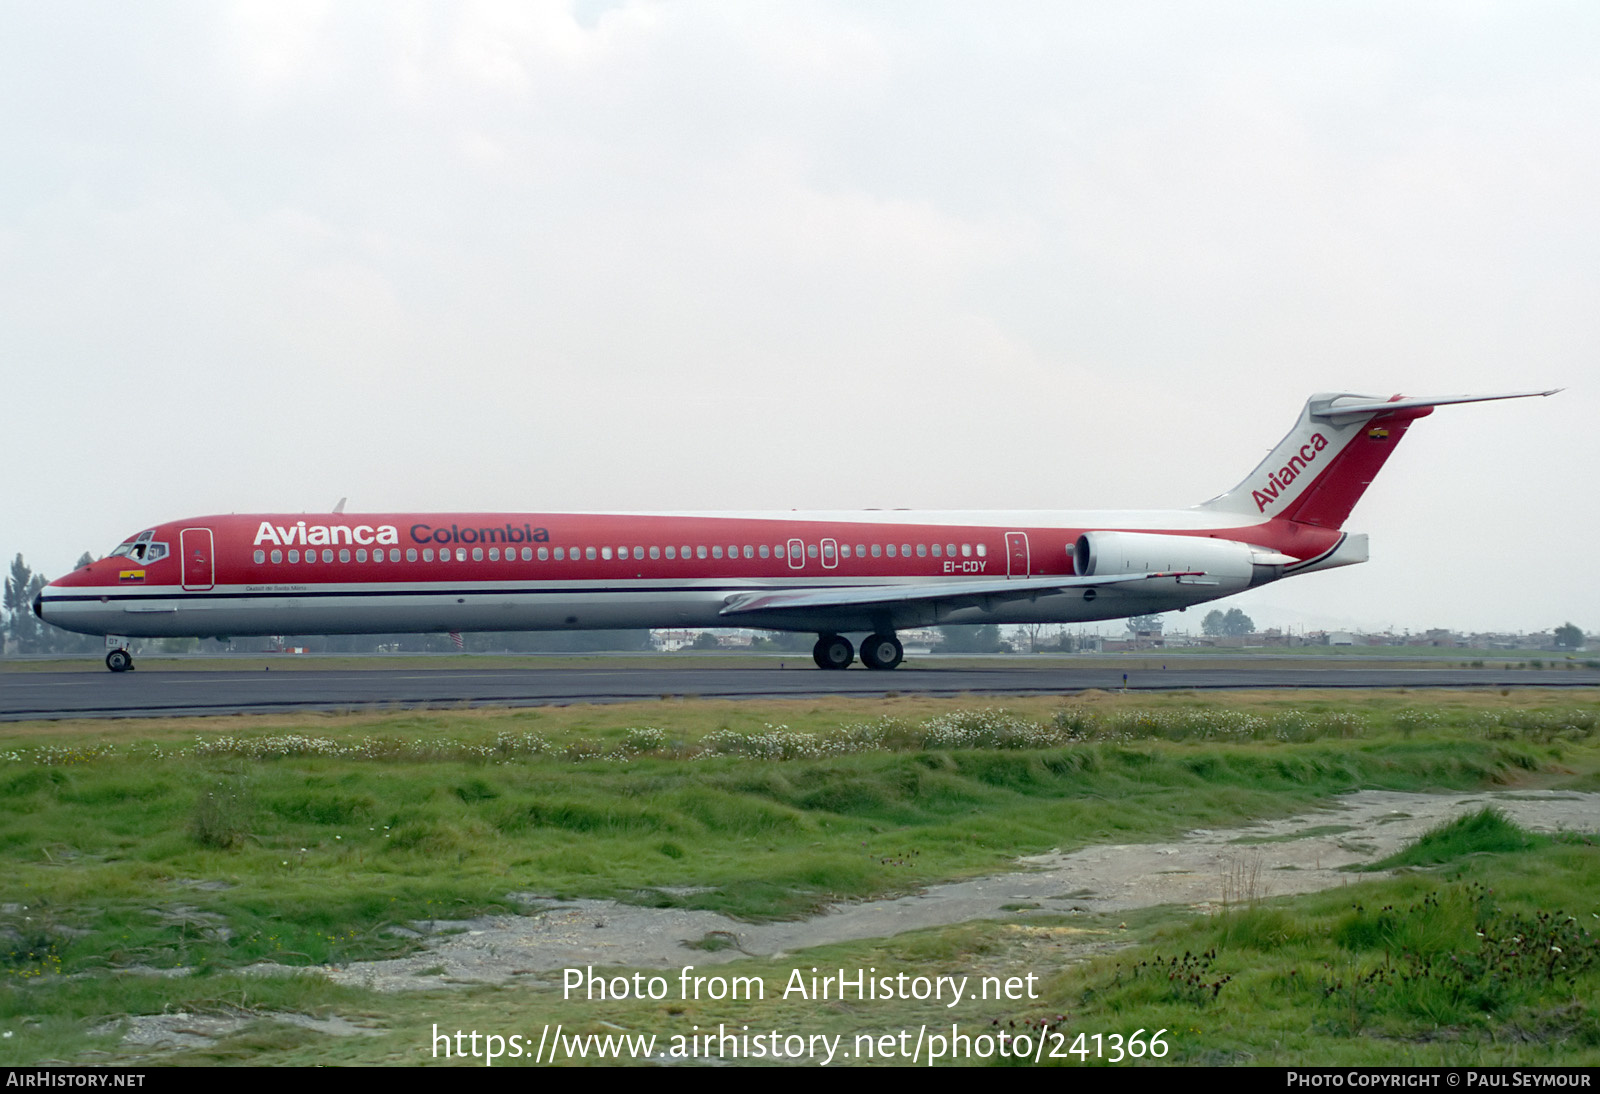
(212, 845)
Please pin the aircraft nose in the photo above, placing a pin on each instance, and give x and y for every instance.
(38, 605)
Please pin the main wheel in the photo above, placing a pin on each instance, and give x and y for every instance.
(833, 652)
(882, 651)
(119, 660)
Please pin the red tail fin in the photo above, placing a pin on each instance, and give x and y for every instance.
(1319, 471)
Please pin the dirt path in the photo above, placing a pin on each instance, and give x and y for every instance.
(1203, 869)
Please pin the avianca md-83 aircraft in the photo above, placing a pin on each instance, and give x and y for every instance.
(832, 573)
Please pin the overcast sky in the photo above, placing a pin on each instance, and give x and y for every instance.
(548, 256)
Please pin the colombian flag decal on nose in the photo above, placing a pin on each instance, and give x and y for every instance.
(130, 575)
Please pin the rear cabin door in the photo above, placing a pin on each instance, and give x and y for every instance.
(1016, 554)
(195, 545)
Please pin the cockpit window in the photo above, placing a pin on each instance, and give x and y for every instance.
(142, 549)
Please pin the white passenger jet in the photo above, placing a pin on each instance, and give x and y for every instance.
(835, 574)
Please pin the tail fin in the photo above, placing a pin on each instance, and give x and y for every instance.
(1319, 471)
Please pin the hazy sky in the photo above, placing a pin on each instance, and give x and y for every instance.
(546, 256)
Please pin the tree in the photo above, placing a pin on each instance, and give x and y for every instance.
(1150, 623)
(1569, 636)
(1235, 624)
(20, 589)
(968, 639)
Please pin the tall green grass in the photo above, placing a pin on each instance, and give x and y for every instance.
(310, 847)
(1496, 961)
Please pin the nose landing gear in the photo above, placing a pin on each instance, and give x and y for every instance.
(119, 660)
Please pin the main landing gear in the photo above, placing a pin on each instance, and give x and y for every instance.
(833, 652)
(119, 660)
(882, 651)
(878, 651)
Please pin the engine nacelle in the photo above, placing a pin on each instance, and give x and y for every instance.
(1225, 562)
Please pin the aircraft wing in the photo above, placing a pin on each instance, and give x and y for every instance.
(953, 594)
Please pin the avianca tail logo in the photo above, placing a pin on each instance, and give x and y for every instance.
(1278, 481)
(317, 535)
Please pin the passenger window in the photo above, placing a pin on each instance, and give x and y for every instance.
(935, 550)
(544, 554)
(716, 550)
(699, 552)
(844, 550)
(966, 550)
(922, 550)
(361, 555)
(777, 552)
(877, 550)
(494, 554)
(261, 556)
(766, 552)
(344, 554)
(477, 554)
(672, 552)
(411, 554)
(811, 550)
(655, 552)
(588, 553)
(605, 552)
(277, 556)
(982, 550)
(327, 554)
(427, 554)
(905, 550)
(749, 551)
(861, 550)
(950, 549)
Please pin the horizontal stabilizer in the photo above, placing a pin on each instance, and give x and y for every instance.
(1339, 411)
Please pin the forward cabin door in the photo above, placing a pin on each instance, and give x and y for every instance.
(1016, 554)
(195, 545)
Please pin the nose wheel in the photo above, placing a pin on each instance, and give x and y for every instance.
(119, 660)
(833, 652)
(882, 651)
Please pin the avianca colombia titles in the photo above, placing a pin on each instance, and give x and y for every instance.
(832, 573)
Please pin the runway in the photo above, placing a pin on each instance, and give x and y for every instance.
(167, 692)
